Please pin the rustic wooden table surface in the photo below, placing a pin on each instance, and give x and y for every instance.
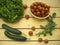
(25, 25)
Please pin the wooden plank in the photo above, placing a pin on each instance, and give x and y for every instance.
(56, 10)
(52, 3)
(23, 23)
(29, 43)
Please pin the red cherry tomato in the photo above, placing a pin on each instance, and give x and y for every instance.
(30, 33)
(46, 10)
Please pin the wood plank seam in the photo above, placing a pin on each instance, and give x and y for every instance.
(30, 40)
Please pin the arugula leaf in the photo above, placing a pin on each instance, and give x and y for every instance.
(11, 10)
(42, 26)
(52, 24)
(44, 33)
(49, 19)
(51, 33)
(38, 34)
(54, 15)
(49, 27)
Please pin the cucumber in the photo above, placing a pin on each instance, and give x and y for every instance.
(12, 30)
(14, 37)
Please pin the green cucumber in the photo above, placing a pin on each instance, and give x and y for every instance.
(12, 30)
(14, 37)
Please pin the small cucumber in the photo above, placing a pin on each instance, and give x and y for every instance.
(12, 30)
(14, 37)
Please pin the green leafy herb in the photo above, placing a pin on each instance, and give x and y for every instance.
(49, 27)
(11, 10)
(42, 26)
(38, 34)
(54, 15)
(50, 33)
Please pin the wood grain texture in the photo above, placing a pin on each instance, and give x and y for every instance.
(52, 3)
(23, 23)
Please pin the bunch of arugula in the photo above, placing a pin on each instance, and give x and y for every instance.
(49, 27)
(11, 10)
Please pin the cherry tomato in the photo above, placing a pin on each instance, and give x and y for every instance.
(25, 6)
(37, 10)
(38, 14)
(33, 28)
(40, 8)
(35, 7)
(27, 16)
(40, 39)
(35, 13)
(45, 41)
(46, 14)
(30, 33)
(46, 10)
(32, 6)
(32, 10)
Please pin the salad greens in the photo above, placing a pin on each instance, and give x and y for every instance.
(11, 10)
(49, 27)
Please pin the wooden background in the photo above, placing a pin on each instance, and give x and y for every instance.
(25, 25)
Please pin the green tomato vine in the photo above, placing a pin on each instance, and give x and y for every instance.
(48, 28)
